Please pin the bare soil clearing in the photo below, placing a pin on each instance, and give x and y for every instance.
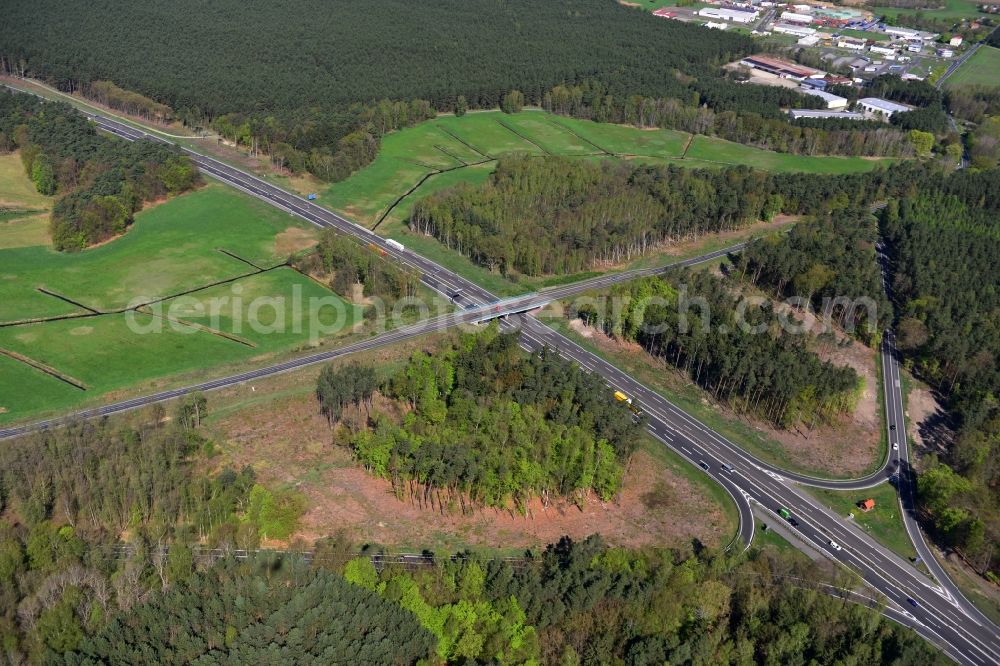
(927, 422)
(289, 444)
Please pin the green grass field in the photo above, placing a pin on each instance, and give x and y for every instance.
(952, 9)
(982, 69)
(448, 150)
(714, 150)
(24, 219)
(286, 298)
(884, 522)
(173, 248)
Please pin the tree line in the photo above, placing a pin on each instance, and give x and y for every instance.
(945, 245)
(70, 496)
(580, 602)
(548, 215)
(746, 114)
(830, 262)
(329, 144)
(315, 107)
(692, 321)
(69, 594)
(101, 181)
(127, 101)
(487, 426)
(343, 264)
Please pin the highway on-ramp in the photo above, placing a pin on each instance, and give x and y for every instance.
(914, 599)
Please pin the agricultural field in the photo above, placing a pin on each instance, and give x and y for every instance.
(720, 152)
(24, 219)
(449, 150)
(979, 70)
(950, 9)
(210, 267)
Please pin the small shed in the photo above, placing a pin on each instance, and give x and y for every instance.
(866, 505)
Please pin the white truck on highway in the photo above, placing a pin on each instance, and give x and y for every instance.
(395, 245)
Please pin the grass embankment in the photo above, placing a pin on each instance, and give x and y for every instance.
(979, 70)
(178, 251)
(884, 522)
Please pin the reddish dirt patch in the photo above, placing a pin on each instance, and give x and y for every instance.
(288, 443)
(927, 422)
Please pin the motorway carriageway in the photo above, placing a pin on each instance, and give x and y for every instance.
(937, 615)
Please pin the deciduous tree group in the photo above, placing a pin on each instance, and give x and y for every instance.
(102, 181)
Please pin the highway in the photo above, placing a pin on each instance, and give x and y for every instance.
(935, 613)
(904, 477)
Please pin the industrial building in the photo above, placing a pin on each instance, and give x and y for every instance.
(832, 101)
(884, 50)
(782, 68)
(796, 114)
(792, 29)
(909, 33)
(882, 109)
(795, 17)
(851, 43)
(729, 14)
(902, 33)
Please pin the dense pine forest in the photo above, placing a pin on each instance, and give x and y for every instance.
(691, 320)
(358, 71)
(486, 425)
(945, 245)
(101, 181)
(573, 603)
(71, 592)
(824, 260)
(550, 215)
(327, 54)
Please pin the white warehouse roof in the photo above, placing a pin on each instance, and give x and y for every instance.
(832, 101)
(883, 105)
(727, 14)
(796, 17)
(819, 113)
